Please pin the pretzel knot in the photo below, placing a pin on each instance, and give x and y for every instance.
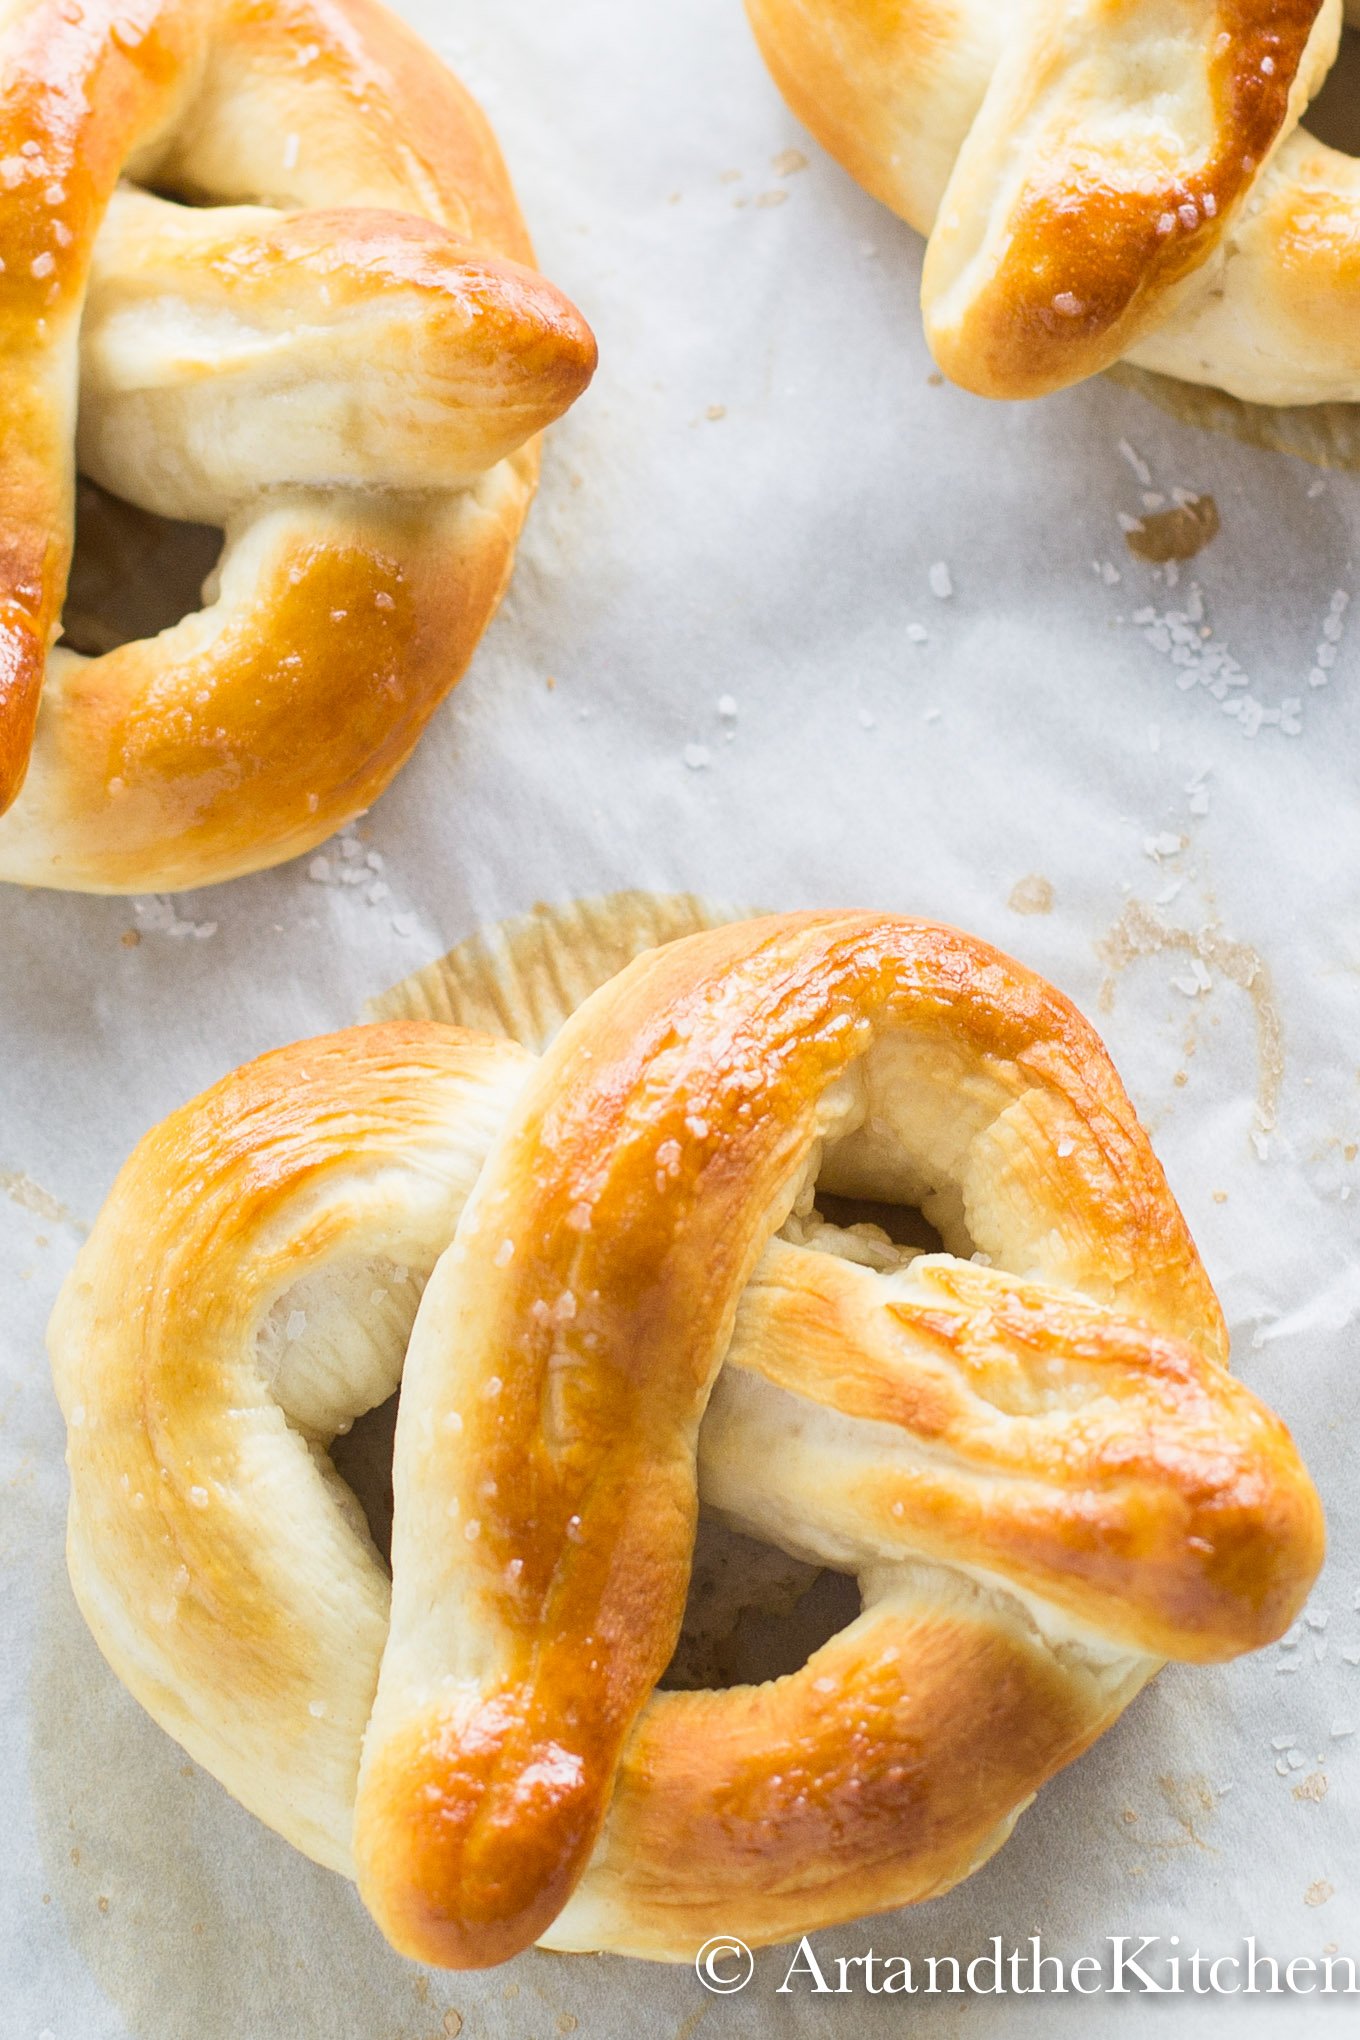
(333, 346)
(1039, 1469)
(1099, 179)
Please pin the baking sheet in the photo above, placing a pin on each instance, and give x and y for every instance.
(792, 624)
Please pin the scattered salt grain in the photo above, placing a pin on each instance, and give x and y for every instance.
(156, 914)
(1333, 629)
(697, 757)
(290, 153)
(917, 633)
(1186, 640)
(941, 581)
(297, 1323)
(1196, 981)
(1139, 466)
(1341, 1729)
(1198, 791)
(727, 707)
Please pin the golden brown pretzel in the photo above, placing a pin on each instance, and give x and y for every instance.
(338, 349)
(1099, 178)
(1035, 1462)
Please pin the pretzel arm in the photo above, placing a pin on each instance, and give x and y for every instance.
(1116, 142)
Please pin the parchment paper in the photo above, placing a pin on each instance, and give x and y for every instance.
(792, 624)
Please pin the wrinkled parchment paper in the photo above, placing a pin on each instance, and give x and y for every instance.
(792, 624)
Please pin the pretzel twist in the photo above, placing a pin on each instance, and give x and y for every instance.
(337, 349)
(1039, 1469)
(1099, 179)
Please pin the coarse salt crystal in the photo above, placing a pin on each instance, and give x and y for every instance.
(1136, 462)
(941, 581)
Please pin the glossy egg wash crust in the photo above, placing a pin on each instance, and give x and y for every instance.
(602, 1281)
(330, 340)
(1099, 179)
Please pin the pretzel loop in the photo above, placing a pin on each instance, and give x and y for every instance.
(337, 350)
(1035, 1464)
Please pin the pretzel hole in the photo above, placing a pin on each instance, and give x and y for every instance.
(133, 574)
(904, 1224)
(753, 1612)
(362, 1456)
(1334, 116)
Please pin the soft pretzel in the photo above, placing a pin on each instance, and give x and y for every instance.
(337, 348)
(1099, 179)
(1027, 1447)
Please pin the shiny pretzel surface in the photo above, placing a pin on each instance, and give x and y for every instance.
(1099, 179)
(262, 269)
(604, 1285)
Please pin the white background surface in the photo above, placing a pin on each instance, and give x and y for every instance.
(778, 554)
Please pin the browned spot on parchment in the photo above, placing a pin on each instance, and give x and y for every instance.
(1327, 435)
(1139, 933)
(1191, 1802)
(1031, 895)
(526, 975)
(30, 1196)
(1177, 533)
